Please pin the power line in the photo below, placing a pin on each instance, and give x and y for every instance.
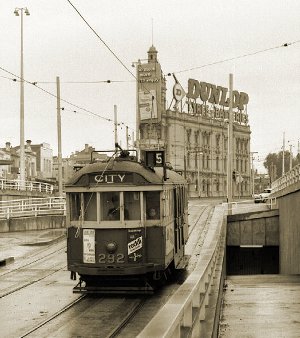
(111, 51)
(84, 82)
(98, 36)
(236, 57)
(53, 95)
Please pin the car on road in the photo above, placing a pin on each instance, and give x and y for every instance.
(263, 196)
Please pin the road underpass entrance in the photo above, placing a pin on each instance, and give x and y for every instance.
(252, 260)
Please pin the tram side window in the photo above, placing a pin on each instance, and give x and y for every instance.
(152, 199)
(132, 206)
(75, 205)
(110, 206)
(90, 206)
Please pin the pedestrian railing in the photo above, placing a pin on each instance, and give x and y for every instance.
(27, 186)
(249, 205)
(185, 313)
(291, 177)
(32, 207)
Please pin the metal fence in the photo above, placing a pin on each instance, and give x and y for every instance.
(27, 186)
(291, 177)
(32, 207)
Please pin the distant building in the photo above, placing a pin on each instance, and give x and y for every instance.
(13, 154)
(193, 134)
(5, 164)
(76, 161)
(44, 159)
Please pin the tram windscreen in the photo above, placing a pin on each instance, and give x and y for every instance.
(90, 206)
(110, 208)
(132, 205)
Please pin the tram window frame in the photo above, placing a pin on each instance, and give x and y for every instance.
(134, 212)
(86, 209)
(110, 201)
(75, 206)
(156, 205)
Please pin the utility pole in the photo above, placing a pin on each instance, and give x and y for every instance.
(17, 12)
(252, 169)
(230, 146)
(283, 150)
(127, 138)
(291, 157)
(137, 141)
(59, 155)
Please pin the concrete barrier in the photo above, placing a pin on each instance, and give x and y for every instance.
(185, 313)
(33, 223)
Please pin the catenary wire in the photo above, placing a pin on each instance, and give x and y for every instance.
(286, 44)
(55, 96)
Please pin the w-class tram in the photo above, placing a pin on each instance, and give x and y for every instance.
(126, 224)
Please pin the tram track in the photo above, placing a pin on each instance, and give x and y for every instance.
(127, 318)
(55, 315)
(41, 254)
(89, 316)
(32, 272)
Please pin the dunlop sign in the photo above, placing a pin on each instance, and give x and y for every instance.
(208, 92)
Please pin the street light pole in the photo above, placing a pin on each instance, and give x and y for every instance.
(17, 12)
(230, 146)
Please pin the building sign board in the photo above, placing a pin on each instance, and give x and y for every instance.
(215, 100)
(147, 104)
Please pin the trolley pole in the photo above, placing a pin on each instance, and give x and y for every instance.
(230, 146)
(116, 126)
(59, 154)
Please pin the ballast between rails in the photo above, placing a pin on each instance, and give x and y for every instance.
(32, 207)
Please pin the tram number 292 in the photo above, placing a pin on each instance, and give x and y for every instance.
(111, 258)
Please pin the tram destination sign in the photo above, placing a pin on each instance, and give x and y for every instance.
(116, 178)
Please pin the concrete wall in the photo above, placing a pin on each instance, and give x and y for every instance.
(255, 228)
(32, 223)
(289, 220)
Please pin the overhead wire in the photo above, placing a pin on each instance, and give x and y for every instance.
(98, 36)
(286, 44)
(35, 84)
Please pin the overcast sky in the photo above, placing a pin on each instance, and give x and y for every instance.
(187, 34)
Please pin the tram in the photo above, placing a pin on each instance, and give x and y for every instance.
(126, 224)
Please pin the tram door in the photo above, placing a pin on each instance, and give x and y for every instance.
(178, 225)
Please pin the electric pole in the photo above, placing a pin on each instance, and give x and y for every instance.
(230, 146)
(59, 155)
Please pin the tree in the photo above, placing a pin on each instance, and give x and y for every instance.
(273, 163)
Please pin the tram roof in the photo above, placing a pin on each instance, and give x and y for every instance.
(152, 176)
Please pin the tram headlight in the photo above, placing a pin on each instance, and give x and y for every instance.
(111, 247)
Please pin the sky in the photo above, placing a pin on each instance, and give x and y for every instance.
(188, 35)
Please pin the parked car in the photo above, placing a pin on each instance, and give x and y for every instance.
(263, 196)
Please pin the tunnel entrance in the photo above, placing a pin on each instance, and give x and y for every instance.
(252, 260)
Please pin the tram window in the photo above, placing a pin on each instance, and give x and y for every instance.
(132, 207)
(75, 205)
(90, 206)
(110, 206)
(152, 199)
